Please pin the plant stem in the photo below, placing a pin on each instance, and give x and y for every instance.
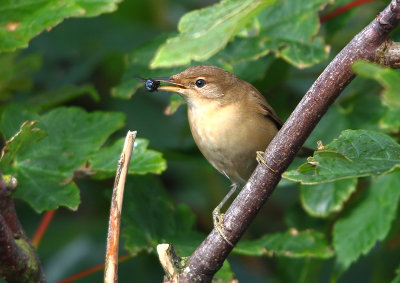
(18, 259)
(111, 264)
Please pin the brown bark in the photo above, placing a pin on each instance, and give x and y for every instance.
(18, 259)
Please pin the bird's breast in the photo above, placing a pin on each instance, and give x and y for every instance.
(212, 124)
(229, 137)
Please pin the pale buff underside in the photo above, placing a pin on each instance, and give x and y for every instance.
(214, 140)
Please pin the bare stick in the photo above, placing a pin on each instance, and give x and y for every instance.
(171, 263)
(111, 265)
(210, 255)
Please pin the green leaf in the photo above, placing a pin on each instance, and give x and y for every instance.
(15, 74)
(303, 55)
(45, 170)
(289, 28)
(247, 69)
(151, 218)
(138, 61)
(206, 31)
(357, 232)
(356, 153)
(390, 121)
(397, 278)
(59, 96)
(10, 124)
(387, 77)
(291, 243)
(175, 101)
(138, 66)
(104, 161)
(300, 270)
(22, 20)
(225, 274)
(296, 217)
(323, 199)
(26, 136)
(356, 111)
(98, 7)
(340, 21)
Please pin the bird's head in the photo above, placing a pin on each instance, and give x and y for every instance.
(203, 83)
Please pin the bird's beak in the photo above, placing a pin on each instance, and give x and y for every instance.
(174, 87)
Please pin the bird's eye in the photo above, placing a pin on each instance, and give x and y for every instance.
(200, 83)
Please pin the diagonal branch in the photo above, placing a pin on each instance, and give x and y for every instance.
(210, 255)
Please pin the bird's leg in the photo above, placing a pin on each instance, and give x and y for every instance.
(218, 217)
(261, 160)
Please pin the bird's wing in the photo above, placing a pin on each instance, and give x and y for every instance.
(263, 107)
(268, 112)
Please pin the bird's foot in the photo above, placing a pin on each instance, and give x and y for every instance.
(261, 160)
(218, 219)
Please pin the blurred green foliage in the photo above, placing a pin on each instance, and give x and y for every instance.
(69, 95)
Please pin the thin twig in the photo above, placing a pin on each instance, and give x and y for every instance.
(210, 255)
(42, 227)
(342, 9)
(92, 270)
(111, 264)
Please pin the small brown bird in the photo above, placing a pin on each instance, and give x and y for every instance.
(230, 122)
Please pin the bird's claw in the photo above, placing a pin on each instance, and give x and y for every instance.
(218, 219)
(261, 160)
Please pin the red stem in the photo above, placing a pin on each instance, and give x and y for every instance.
(44, 223)
(342, 9)
(91, 270)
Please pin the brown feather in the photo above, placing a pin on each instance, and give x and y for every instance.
(270, 113)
